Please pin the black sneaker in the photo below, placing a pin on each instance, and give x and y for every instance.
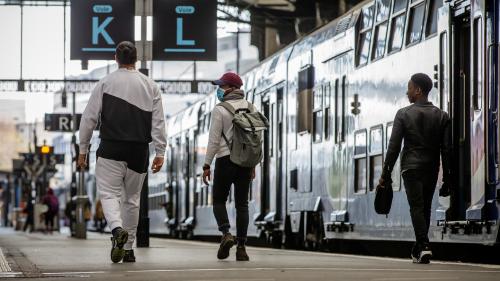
(118, 240)
(226, 244)
(423, 256)
(129, 256)
(241, 254)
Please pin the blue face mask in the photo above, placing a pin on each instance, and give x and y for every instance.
(220, 94)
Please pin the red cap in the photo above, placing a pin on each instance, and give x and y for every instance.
(229, 78)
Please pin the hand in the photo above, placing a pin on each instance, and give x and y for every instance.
(157, 164)
(206, 175)
(82, 161)
(252, 176)
(381, 181)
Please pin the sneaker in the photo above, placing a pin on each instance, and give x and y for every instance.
(226, 244)
(129, 256)
(118, 240)
(423, 256)
(241, 254)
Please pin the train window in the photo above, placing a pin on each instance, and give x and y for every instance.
(416, 21)
(365, 35)
(379, 41)
(317, 125)
(399, 5)
(360, 161)
(396, 184)
(306, 84)
(376, 160)
(432, 18)
(318, 98)
(477, 94)
(397, 32)
(328, 116)
(383, 7)
(343, 128)
(294, 179)
(336, 104)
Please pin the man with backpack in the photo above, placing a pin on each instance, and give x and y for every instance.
(235, 139)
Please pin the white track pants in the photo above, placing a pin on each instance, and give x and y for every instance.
(120, 192)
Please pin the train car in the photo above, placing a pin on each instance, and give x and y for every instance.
(331, 97)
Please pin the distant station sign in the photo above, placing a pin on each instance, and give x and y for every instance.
(61, 122)
(185, 30)
(97, 26)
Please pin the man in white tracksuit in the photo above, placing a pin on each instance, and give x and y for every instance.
(129, 107)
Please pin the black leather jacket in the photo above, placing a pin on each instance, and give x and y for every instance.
(425, 130)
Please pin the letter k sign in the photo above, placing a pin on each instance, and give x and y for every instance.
(100, 29)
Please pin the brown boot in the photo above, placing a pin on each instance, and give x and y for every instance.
(241, 254)
(226, 244)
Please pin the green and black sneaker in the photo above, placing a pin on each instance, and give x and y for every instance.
(118, 240)
(129, 256)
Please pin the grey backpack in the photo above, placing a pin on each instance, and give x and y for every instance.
(248, 125)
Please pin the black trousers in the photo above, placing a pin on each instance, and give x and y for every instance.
(226, 174)
(420, 186)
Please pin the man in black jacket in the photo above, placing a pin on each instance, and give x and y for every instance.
(425, 130)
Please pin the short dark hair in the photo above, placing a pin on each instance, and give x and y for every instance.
(126, 53)
(423, 81)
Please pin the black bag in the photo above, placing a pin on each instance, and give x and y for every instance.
(383, 199)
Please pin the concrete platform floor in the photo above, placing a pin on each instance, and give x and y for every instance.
(58, 257)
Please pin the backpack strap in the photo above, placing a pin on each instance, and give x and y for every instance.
(231, 109)
(228, 107)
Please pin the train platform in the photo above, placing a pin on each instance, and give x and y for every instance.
(59, 257)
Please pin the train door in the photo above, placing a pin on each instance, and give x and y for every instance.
(462, 91)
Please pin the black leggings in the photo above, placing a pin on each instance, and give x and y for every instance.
(49, 219)
(227, 173)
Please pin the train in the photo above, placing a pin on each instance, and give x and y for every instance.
(331, 97)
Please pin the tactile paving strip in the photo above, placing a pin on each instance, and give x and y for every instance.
(4, 265)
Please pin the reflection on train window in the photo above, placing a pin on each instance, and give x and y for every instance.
(416, 21)
(328, 123)
(477, 94)
(397, 33)
(432, 18)
(376, 150)
(396, 179)
(304, 95)
(365, 35)
(318, 125)
(380, 28)
(399, 5)
(318, 98)
(360, 153)
(379, 42)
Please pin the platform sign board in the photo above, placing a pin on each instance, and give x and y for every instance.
(58, 122)
(185, 30)
(97, 26)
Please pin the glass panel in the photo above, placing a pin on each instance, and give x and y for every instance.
(383, 9)
(360, 177)
(318, 125)
(318, 98)
(376, 164)
(328, 123)
(360, 143)
(367, 17)
(416, 21)
(433, 16)
(478, 76)
(396, 41)
(399, 5)
(379, 43)
(376, 140)
(364, 47)
(327, 95)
